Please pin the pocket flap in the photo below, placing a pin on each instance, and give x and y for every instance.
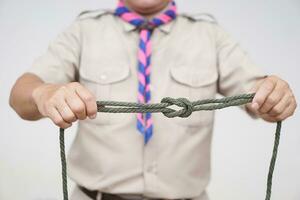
(195, 78)
(105, 75)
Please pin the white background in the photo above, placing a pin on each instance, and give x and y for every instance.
(268, 30)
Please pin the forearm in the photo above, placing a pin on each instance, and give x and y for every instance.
(21, 98)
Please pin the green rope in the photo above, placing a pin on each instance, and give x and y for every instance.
(186, 109)
(273, 161)
(63, 163)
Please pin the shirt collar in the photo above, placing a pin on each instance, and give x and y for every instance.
(166, 28)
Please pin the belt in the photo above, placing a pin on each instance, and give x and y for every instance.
(107, 196)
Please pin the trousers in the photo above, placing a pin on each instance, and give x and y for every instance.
(77, 194)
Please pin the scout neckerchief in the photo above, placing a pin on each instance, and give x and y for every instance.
(145, 27)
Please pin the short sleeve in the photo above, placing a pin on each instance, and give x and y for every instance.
(59, 64)
(237, 73)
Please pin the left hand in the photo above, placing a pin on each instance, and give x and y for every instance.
(274, 100)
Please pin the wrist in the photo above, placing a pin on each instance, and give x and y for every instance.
(40, 92)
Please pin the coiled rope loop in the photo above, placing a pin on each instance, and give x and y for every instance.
(186, 108)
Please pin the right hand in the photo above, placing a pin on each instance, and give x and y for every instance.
(65, 104)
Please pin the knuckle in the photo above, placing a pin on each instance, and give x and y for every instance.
(263, 110)
(63, 88)
(57, 97)
(260, 100)
(73, 84)
(49, 104)
(58, 121)
(269, 85)
(70, 118)
(278, 118)
(78, 108)
(88, 98)
(276, 111)
(273, 77)
(47, 110)
(61, 91)
(285, 85)
(271, 100)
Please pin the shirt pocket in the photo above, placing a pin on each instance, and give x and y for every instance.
(194, 84)
(103, 82)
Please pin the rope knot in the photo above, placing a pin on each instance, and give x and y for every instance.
(185, 104)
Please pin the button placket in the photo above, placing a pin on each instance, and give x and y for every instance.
(150, 169)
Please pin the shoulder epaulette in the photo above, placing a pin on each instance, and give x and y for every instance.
(93, 13)
(201, 17)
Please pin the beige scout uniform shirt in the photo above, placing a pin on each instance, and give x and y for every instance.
(191, 58)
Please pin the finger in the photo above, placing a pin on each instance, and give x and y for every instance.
(273, 98)
(250, 109)
(281, 106)
(262, 93)
(66, 112)
(76, 104)
(89, 101)
(57, 119)
(284, 115)
(289, 111)
(257, 84)
(249, 106)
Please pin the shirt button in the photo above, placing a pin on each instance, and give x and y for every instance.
(103, 77)
(150, 169)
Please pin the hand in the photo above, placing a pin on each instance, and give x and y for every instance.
(274, 100)
(65, 104)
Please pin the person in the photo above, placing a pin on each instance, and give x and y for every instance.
(141, 52)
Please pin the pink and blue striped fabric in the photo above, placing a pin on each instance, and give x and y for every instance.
(144, 121)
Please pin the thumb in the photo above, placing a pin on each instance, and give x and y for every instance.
(254, 106)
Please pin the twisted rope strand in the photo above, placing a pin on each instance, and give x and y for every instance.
(63, 163)
(187, 108)
(273, 161)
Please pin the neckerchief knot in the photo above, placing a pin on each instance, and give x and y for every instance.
(146, 25)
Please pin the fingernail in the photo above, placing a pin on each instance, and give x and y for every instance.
(255, 106)
(93, 116)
